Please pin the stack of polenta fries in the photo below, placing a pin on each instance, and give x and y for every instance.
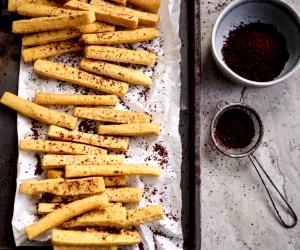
(88, 185)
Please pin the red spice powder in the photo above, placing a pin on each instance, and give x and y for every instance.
(141, 246)
(144, 94)
(38, 167)
(87, 127)
(235, 129)
(47, 198)
(255, 51)
(35, 129)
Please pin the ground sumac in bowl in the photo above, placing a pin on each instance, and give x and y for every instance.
(235, 129)
(255, 51)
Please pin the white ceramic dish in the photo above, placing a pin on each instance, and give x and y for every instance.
(276, 12)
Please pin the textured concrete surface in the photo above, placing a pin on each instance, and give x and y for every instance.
(235, 211)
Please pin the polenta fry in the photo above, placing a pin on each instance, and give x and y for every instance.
(133, 129)
(111, 115)
(72, 171)
(50, 49)
(59, 147)
(117, 72)
(113, 54)
(56, 247)
(55, 174)
(63, 187)
(59, 161)
(142, 215)
(106, 217)
(39, 10)
(117, 37)
(46, 208)
(73, 75)
(81, 238)
(63, 214)
(147, 19)
(96, 27)
(37, 112)
(13, 4)
(122, 195)
(49, 37)
(109, 142)
(104, 15)
(52, 23)
(45, 98)
(109, 181)
(121, 2)
(114, 181)
(152, 6)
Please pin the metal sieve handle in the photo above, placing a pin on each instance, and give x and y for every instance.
(293, 214)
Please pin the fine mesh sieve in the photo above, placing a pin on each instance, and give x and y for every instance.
(248, 152)
(258, 131)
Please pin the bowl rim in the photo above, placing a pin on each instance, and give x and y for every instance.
(220, 62)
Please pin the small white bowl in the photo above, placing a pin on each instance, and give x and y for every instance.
(283, 16)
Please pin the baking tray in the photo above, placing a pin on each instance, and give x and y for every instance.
(10, 46)
(195, 71)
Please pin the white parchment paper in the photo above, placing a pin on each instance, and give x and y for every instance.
(161, 101)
